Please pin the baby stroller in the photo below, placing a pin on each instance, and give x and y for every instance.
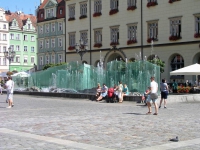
(111, 96)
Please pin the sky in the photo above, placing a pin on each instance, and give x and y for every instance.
(26, 6)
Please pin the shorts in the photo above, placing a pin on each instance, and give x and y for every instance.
(10, 96)
(104, 94)
(149, 99)
(164, 94)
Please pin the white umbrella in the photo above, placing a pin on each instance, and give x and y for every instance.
(21, 74)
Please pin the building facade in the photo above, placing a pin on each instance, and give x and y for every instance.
(4, 41)
(51, 32)
(23, 40)
(125, 29)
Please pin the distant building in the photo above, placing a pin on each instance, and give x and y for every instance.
(51, 32)
(4, 41)
(23, 40)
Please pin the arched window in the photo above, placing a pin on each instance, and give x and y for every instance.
(177, 62)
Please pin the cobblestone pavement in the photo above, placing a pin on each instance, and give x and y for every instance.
(49, 123)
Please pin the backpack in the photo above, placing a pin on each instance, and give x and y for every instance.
(110, 92)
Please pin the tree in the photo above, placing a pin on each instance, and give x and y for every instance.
(158, 62)
(52, 65)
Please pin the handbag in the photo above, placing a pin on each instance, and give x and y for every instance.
(153, 95)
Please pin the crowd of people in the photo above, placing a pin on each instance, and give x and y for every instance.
(116, 93)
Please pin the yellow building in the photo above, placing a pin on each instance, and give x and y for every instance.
(172, 25)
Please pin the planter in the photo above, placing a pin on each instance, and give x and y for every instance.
(150, 39)
(174, 38)
(114, 43)
(83, 16)
(98, 45)
(131, 42)
(149, 4)
(131, 8)
(71, 47)
(71, 19)
(97, 14)
(197, 35)
(113, 11)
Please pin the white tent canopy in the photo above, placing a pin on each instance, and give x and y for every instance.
(21, 74)
(189, 70)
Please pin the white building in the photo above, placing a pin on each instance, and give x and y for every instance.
(173, 25)
(4, 41)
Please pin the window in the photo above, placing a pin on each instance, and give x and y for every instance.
(17, 48)
(47, 59)
(153, 31)
(52, 43)
(4, 37)
(18, 37)
(131, 3)
(25, 38)
(29, 26)
(52, 12)
(114, 35)
(175, 27)
(4, 48)
(0, 49)
(25, 60)
(60, 26)
(41, 44)
(17, 59)
(83, 36)
(72, 39)
(48, 13)
(114, 4)
(59, 42)
(197, 24)
(32, 60)
(72, 11)
(4, 26)
(59, 58)
(4, 62)
(132, 34)
(61, 11)
(32, 49)
(41, 15)
(47, 28)
(47, 43)
(177, 62)
(12, 36)
(83, 9)
(98, 36)
(41, 29)
(41, 60)
(53, 27)
(12, 47)
(32, 38)
(53, 59)
(25, 48)
(97, 6)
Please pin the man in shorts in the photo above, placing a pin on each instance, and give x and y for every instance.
(153, 96)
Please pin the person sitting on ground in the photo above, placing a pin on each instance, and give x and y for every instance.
(125, 91)
(98, 90)
(104, 91)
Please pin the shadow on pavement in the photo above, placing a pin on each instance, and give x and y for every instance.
(134, 114)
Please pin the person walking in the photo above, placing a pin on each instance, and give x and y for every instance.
(164, 92)
(10, 86)
(153, 96)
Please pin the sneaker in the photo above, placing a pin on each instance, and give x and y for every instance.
(12, 105)
(159, 106)
(165, 107)
(8, 107)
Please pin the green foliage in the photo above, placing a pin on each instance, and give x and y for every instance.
(52, 65)
(158, 62)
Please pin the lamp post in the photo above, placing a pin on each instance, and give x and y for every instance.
(10, 54)
(81, 48)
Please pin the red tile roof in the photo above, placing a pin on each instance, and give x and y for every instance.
(21, 19)
(45, 2)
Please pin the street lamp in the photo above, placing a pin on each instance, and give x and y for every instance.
(81, 48)
(10, 54)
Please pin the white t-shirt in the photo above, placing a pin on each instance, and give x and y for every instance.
(154, 87)
(10, 85)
